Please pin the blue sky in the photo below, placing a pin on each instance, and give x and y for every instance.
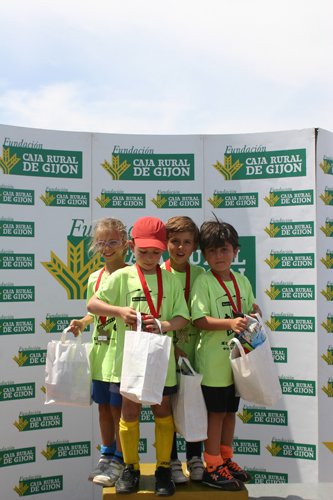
(167, 67)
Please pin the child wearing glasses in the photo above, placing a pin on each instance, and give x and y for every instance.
(111, 241)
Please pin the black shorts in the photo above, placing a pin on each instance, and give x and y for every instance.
(220, 399)
(167, 391)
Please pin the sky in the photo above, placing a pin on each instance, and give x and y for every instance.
(167, 67)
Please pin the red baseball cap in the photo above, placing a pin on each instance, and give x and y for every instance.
(149, 232)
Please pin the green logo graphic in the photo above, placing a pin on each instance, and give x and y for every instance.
(267, 417)
(298, 387)
(289, 198)
(17, 457)
(142, 445)
(285, 322)
(30, 357)
(328, 390)
(17, 229)
(263, 477)
(151, 167)
(45, 163)
(181, 444)
(328, 260)
(328, 357)
(221, 199)
(11, 326)
(263, 165)
(282, 260)
(245, 447)
(328, 229)
(292, 450)
(146, 414)
(327, 166)
(38, 421)
(165, 199)
(286, 291)
(65, 199)
(11, 196)
(327, 197)
(290, 229)
(57, 323)
(17, 261)
(280, 354)
(329, 325)
(116, 199)
(39, 485)
(17, 294)
(328, 293)
(56, 451)
(17, 391)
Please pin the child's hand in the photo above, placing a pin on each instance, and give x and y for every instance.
(128, 315)
(256, 309)
(179, 352)
(76, 326)
(150, 324)
(238, 325)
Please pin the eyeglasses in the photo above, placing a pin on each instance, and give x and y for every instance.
(111, 244)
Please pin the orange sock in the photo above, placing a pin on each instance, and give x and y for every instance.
(226, 452)
(212, 461)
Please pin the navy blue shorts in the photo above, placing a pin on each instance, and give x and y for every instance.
(115, 388)
(220, 399)
(101, 394)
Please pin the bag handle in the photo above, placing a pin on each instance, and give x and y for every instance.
(64, 333)
(246, 371)
(182, 360)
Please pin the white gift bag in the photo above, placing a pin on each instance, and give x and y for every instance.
(67, 372)
(255, 375)
(145, 365)
(188, 404)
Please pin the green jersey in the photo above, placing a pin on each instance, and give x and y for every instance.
(209, 299)
(123, 288)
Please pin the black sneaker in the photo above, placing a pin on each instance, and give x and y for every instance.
(221, 478)
(128, 480)
(164, 485)
(237, 472)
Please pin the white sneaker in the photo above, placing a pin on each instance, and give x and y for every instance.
(110, 475)
(195, 468)
(103, 464)
(177, 473)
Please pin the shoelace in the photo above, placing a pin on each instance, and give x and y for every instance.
(222, 470)
(233, 466)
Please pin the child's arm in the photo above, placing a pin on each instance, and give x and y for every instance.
(209, 323)
(256, 309)
(78, 325)
(179, 352)
(176, 323)
(101, 308)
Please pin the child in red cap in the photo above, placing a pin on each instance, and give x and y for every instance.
(158, 294)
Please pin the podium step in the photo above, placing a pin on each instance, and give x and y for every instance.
(190, 491)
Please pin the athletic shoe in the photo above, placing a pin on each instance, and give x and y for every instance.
(237, 472)
(195, 468)
(103, 464)
(164, 485)
(128, 481)
(110, 475)
(220, 477)
(177, 473)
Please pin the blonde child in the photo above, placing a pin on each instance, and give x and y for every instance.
(215, 295)
(146, 288)
(111, 241)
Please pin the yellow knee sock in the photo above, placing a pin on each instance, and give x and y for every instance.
(164, 431)
(129, 433)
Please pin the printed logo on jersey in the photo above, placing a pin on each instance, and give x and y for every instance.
(289, 198)
(231, 199)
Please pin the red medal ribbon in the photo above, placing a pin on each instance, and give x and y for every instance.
(188, 278)
(239, 304)
(151, 306)
(102, 318)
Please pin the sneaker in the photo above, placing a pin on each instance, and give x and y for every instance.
(237, 472)
(177, 473)
(128, 481)
(103, 464)
(221, 478)
(195, 468)
(110, 475)
(164, 485)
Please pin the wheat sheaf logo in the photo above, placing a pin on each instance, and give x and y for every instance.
(103, 200)
(328, 326)
(48, 454)
(216, 201)
(245, 417)
(273, 324)
(273, 198)
(7, 162)
(229, 169)
(273, 450)
(326, 198)
(272, 261)
(116, 169)
(21, 489)
(73, 276)
(272, 293)
(159, 202)
(325, 166)
(328, 261)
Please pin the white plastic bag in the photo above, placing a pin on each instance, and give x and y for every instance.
(145, 365)
(255, 376)
(67, 372)
(188, 404)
